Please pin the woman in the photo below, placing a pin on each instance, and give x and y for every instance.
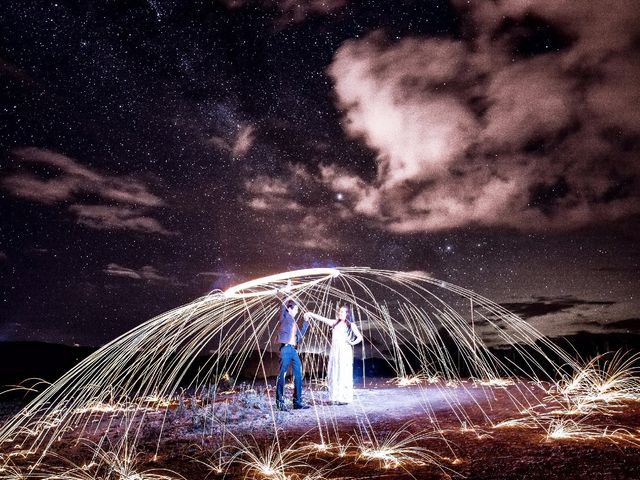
(345, 335)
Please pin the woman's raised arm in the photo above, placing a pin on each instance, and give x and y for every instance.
(315, 316)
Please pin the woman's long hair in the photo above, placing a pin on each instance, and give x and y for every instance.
(349, 320)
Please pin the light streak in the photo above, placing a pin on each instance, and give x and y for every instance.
(24, 386)
(525, 422)
(264, 286)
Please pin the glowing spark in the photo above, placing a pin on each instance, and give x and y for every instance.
(120, 461)
(259, 287)
(526, 422)
(416, 379)
(271, 460)
(602, 384)
(407, 319)
(320, 447)
(497, 382)
(399, 448)
(566, 429)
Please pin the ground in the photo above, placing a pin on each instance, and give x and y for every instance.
(453, 424)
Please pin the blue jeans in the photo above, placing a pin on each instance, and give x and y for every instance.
(288, 356)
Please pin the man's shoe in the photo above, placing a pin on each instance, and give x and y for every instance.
(301, 406)
(282, 407)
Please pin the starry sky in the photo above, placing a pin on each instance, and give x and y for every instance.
(151, 151)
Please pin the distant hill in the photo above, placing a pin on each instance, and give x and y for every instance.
(22, 360)
(589, 344)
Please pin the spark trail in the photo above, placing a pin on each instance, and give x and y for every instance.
(426, 330)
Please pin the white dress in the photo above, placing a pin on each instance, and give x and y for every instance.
(340, 368)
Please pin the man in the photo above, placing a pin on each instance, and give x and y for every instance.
(289, 337)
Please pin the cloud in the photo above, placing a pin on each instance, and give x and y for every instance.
(529, 123)
(63, 179)
(102, 217)
(625, 324)
(145, 273)
(240, 145)
(275, 195)
(243, 142)
(414, 128)
(541, 306)
(30, 187)
(312, 232)
(290, 198)
(68, 178)
(3, 257)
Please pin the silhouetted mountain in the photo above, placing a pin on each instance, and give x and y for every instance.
(22, 360)
(48, 361)
(588, 344)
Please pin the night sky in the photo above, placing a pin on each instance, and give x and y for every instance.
(153, 151)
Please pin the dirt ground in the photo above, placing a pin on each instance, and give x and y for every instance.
(454, 424)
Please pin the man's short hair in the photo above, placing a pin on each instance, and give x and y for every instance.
(290, 304)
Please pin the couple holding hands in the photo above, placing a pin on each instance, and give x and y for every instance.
(345, 334)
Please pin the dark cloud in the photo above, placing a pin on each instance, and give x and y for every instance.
(530, 35)
(625, 324)
(541, 306)
(590, 344)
